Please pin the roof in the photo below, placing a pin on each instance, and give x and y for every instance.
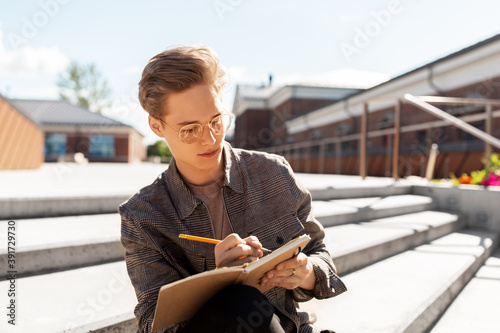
(8, 101)
(346, 78)
(352, 104)
(247, 91)
(440, 60)
(46, 112)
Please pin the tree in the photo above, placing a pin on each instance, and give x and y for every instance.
(83, 85)
(159, 148)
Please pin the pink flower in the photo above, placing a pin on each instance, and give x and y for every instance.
(491, 180)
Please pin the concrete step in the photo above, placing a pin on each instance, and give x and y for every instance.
(57, 243)
(476, 307)
(49, 206)
(99, 298)
(110, 281)
(352, 246)
(48, 244)
(329, 187)
(409, 291)
(65, 189)
(359, 244)
(28, 206)
(343, 211)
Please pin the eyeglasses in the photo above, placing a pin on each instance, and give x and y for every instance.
(192, 133)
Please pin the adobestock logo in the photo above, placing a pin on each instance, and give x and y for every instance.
(223, 6)
(30, 27)
(363, 37)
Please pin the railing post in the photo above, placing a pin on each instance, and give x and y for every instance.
(395, 149)
(362, 144)
(338, 157)
(431, 162)
(321, 166)
(489, 129)
(297, 156)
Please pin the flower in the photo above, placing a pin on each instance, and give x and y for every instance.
(491, 180)
(465, 179)
(489, 176)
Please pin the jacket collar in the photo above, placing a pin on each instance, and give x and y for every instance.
(184, 201)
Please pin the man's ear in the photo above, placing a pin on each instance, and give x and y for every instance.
(155, 126)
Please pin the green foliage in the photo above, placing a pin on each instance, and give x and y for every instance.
(83, 85)
(478, 176)
(489, 176)
(494, 162)
(159, 148)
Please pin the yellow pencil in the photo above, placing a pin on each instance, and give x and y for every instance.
(208, 240)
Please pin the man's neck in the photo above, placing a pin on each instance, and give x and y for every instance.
(200, 178)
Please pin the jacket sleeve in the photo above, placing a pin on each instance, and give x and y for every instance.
(328, 284)
(148, 271)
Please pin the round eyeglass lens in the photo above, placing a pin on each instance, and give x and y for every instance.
(221, 123)
(190, 133)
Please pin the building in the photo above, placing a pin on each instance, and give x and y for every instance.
(327, 138)
(21, 139)
(66, 129)
(261, 111)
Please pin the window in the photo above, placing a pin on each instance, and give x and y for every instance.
(422, 138)
(330, 149)
(55, 144)
(467, 137)
(102, 146)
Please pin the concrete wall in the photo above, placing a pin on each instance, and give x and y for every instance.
(21, 141)
(477, 204)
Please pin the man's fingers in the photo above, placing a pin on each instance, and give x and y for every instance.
(229, 242)
(297, 261)
(253, 242)
(238, 255)
(245, 260)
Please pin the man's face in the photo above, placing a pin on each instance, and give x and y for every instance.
(200, 162)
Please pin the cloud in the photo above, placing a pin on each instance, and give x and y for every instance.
(27, 60)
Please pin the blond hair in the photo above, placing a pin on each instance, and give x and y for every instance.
(175, 70)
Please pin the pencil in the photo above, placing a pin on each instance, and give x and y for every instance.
(209, 240)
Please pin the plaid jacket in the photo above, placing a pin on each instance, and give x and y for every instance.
(262, 198)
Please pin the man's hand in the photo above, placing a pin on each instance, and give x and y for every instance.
(292, 273)
(235, 251)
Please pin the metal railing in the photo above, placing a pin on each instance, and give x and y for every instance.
(296, 150)
(422, 102)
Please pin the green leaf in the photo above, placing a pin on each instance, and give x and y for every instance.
(494, 161)
(478, 176)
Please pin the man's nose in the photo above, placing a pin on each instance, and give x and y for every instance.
(207, 135)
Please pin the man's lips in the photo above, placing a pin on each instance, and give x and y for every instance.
(209, 153)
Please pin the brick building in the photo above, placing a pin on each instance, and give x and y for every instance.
(61, 130)
(262, 111)
(326, 138)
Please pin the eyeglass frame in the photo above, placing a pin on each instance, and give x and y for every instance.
(202, 126)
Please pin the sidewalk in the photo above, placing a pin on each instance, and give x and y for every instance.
(71, 179)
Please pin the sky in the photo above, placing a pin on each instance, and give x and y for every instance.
(289, 39)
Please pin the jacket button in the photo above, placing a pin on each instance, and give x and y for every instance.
(279, 240)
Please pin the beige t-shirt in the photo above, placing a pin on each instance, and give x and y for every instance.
(211, 196)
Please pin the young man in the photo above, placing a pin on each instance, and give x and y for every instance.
(247, 199)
